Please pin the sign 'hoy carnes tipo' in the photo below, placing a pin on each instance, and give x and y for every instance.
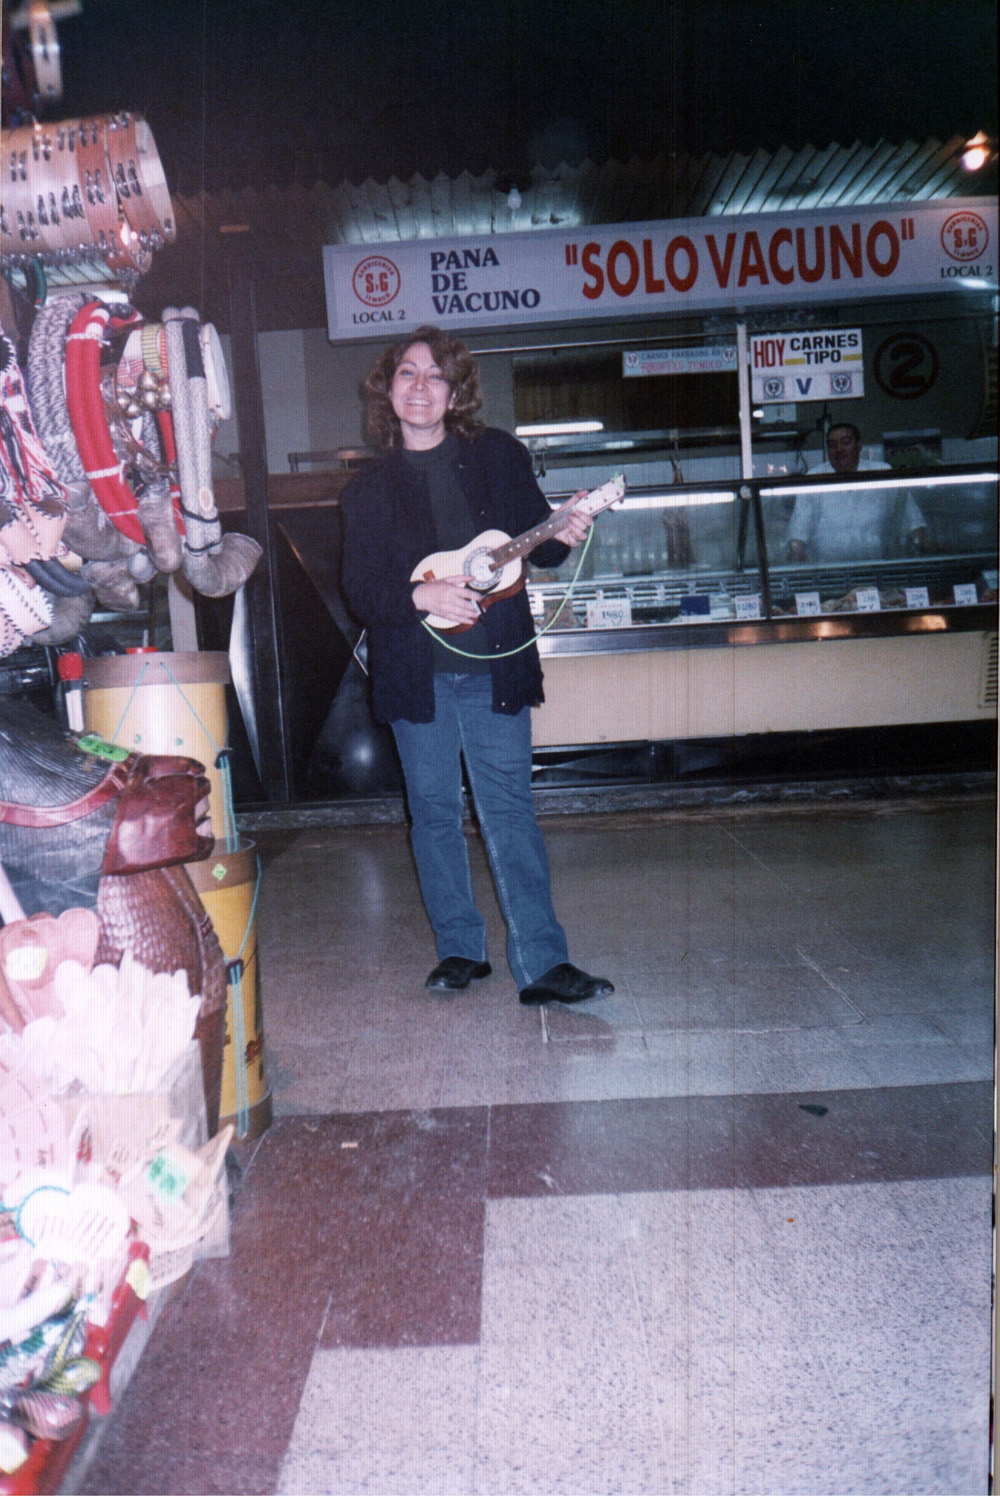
(632, 270)
(814, 364)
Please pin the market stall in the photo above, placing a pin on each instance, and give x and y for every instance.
(131, 1051)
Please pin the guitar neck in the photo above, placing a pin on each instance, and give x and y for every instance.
(591, 504)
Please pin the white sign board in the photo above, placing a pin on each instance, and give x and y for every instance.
(807, 365)
(669, 266)
(703, 361)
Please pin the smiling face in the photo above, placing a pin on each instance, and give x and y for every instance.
(844, 449)
(420, 397)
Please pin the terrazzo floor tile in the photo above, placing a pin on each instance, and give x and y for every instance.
(947, 1219)
(683, 1252)
(896, 1339)
(610, 1146)
(406, 1273)
(307, 1077)
(861, 1135)
(975, 1028)
(379, 1423)
(913, 1049)
(759, 998)
(856, 1460)
(745, 1140)
(608, 1018)
(791, 1061)
(953, 981)
(566, 1405)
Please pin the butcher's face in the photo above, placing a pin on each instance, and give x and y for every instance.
(163, 816)
(844, 450)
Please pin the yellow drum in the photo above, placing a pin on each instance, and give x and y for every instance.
(227, 885)
(165, 703)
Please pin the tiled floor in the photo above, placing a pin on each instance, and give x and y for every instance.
(727, 1232)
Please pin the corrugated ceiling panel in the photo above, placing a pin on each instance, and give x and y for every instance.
(401, 198)
(768, 185)
(704, 189)
(733, 170)
(876, 168)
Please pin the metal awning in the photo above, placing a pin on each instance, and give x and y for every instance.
(666, 187)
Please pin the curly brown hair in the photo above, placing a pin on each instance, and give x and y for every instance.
(456, 364)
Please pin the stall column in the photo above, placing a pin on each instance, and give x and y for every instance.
(256, 650)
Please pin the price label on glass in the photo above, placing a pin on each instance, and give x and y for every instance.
(868, 601)
(917, 599)
(807, 604)
(965, 593)
(608, 614)
(747, 606)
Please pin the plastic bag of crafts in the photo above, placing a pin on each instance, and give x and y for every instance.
(175, 1192)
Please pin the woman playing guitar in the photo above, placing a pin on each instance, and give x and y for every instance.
(444, 479)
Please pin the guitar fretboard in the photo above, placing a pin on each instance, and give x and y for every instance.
(591, 504)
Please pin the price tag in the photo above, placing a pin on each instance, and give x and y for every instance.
(807, 604)
(92, 744)
(747, 606)
(608, 614)
(869, 602)
(167, 1177)
(917, 599)
(965, 593)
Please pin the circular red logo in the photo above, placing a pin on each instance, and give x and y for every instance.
(965, 236)
(376, 281)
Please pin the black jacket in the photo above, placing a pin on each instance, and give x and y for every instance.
(389, 528)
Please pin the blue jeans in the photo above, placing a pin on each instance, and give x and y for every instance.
(497, 753)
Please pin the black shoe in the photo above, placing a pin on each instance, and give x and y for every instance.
(567, 983)
(455, 973)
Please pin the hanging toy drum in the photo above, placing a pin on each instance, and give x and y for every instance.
(166, 703)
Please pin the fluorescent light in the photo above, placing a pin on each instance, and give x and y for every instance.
(676, 502)
(923, 482)
(557, 429)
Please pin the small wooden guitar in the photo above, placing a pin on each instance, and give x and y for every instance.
(492, 560)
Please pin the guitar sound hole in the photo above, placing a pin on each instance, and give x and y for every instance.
(479, 566)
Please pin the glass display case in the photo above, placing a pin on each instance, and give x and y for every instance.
(705, 557)
(692, 617)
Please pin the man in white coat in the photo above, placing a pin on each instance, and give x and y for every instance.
(859, 525)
